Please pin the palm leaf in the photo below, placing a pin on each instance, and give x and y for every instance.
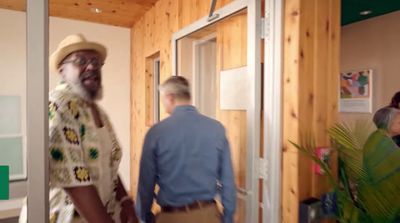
(308, 150)
(349, 142)
(349, 212)
(372, 163)
(380, 189)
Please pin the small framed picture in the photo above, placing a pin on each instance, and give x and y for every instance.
(356, 91)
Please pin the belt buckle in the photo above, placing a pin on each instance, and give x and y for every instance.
(195, 205)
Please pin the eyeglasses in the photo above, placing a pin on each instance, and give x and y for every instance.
(83, 62)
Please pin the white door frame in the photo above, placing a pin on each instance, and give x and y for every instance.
(37, 110)
(273, 45)
(222, 13)
(251, 192)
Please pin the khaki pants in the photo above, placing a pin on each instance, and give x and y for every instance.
(209, 214)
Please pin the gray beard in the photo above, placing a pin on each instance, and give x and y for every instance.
(78, 89)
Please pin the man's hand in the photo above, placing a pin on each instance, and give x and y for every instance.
(88, 203)
(128, 214)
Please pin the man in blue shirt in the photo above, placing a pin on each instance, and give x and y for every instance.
(188, 156)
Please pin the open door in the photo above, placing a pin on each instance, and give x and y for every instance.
(221, 60)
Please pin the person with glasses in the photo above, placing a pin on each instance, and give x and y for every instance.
(83, 149)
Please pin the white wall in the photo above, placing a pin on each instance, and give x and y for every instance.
(116, 72)
(373, 43)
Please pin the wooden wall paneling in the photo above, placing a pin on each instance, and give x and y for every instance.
(291, 48)
(321, 90)
(138, 101)
(310, 93)
(321, 74)
(334, 60)
(318, 28)
(149, 88)
(167, 12)
(192, 10)
(17, 5)
(151, 34)
(308, 35)
(334, 70)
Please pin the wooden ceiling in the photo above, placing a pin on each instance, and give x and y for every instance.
(122, 13)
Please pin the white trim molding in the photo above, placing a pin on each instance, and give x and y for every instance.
(37, 21)
(273, 24)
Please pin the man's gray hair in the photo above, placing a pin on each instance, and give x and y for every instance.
(383, 117)
(178, 86)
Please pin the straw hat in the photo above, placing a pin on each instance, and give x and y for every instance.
(73, 43)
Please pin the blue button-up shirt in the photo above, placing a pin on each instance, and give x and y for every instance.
(188, 156)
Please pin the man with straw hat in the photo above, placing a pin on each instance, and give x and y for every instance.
(84, 151)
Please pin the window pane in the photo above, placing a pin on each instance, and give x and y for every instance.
(10, 115)
(12, 155)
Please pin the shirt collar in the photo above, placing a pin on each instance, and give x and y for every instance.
(184, 108)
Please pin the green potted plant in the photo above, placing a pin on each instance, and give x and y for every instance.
(368, 184)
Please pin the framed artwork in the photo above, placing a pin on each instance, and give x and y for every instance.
(356, 91)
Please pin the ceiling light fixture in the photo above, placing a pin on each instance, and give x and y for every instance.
(366, 12)
(96, 10)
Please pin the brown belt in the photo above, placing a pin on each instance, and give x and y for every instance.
(193, 206)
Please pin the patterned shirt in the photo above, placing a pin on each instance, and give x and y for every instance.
(81, 154)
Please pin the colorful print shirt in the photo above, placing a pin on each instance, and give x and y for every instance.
(81, 154)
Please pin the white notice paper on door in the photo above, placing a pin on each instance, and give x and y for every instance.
(234, 89)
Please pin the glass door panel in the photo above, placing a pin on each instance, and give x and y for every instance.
(214, 60)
